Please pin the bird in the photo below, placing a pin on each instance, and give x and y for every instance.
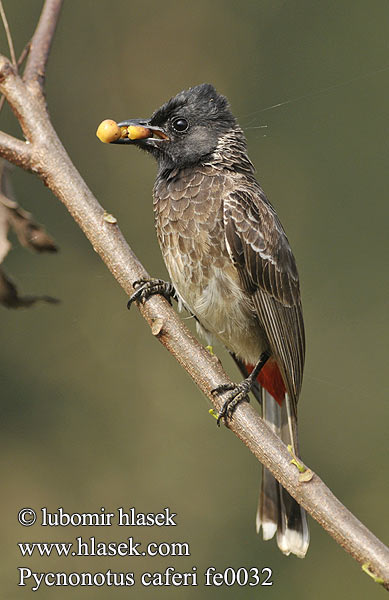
(231, 266)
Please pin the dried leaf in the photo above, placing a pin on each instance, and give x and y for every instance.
(10, 298)
(30, 235)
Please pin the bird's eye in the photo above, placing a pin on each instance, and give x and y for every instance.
(180, 124)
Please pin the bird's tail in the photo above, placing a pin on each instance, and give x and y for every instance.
(277, 510)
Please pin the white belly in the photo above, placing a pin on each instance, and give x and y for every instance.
(224, 311)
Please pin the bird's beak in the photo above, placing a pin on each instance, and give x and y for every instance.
(140, 130)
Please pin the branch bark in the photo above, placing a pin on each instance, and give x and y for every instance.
(41, 42)
(46, 156)
(15, 151)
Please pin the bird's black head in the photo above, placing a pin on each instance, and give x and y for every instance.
(188, 128)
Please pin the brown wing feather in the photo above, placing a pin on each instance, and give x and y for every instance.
(261, 252)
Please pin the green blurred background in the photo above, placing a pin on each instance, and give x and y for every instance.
(95, 412)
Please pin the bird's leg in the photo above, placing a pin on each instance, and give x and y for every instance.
(148, 287)
(240, 391)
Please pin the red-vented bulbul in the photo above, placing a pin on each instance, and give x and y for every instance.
(232, 267)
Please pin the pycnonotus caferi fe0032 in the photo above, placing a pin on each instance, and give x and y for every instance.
(232, 267)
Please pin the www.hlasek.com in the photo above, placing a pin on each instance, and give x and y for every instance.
(90, 546)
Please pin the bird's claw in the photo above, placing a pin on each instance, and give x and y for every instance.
(238, 393)
(144, 288)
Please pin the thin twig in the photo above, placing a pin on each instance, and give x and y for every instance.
(8, 34)
(41, 42)
(24, 53)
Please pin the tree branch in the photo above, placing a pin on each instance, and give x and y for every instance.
(15, 151)
(41, 42)
(47, 157)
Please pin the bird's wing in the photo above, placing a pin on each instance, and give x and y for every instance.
(260, 251)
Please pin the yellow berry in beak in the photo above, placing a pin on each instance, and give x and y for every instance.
(108, 131)
(137, 132)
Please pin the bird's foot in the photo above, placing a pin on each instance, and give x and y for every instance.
(237, 394)
(144, 288)
(240, 391)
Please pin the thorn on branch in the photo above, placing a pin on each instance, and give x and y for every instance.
(109, 218)
(157, 326)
